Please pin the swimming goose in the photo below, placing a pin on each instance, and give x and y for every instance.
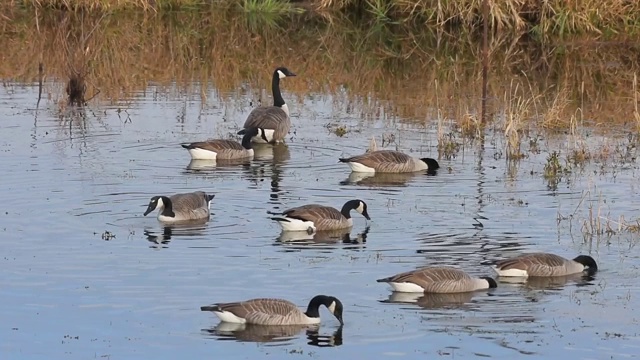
(437, 280)
(274, 119)
(314, 217)
(181, 207)
(220, 149)
(545, 264)
(389, 161)
(275, 311)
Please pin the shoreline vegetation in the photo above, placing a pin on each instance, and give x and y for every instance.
(539, 18)
(382, 56)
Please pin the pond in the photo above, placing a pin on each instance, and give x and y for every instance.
(84, 274)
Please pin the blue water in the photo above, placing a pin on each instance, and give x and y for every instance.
(70, 176)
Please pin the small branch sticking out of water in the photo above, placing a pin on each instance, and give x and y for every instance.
(40, 76)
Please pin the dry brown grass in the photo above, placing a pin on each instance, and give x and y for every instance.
(385, 69)
(559, 17)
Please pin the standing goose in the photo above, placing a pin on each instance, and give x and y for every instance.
(441, 280)
(274, 119)
(220, 149)
(181, 207)
(314, 217)
(389, 161)
(275, 311)
(545, 264)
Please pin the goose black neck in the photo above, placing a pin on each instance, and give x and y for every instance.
(313, 310)
(246, 140)
(275, 89)
(347, 207)
(168, 207)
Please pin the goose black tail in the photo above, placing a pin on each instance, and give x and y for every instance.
(210, 308)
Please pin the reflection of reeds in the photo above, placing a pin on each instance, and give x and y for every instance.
(392, 68)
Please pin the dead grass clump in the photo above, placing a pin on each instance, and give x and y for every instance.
(555, 115)
(579, 157)
(470, 126)
(516, 114)
(541, 18)
(110, 5)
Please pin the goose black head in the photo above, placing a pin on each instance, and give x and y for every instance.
(162, 203)
(335, 307)
(153, 204)
(432, 164)
(283, 72)
(492, 282)
(362, 209)
(589, 263)
(249, 134)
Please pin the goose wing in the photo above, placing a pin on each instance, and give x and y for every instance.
(537, 264)
(384, 161)
(217, 146)
(435, 279)
(191, 206)
(264, 311)
(314, 212)
(267, 117)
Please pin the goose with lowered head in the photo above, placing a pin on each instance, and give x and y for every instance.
(389, 161)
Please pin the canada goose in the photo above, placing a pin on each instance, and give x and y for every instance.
(275, 311)
(545, 264)
(389, 161)
(273, 119)
(437, 280)
(220, 149)
(181, 207)
(314, 217)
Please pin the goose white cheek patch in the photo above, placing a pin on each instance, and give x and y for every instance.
(360, 208)
(281, 75)
(332, 307)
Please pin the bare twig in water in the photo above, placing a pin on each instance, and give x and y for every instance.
(40, 76)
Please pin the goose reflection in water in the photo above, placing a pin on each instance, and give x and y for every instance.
(273, 333)
(160, 238)
(268, 160)
(323, 237)
(198, 166)
(547, 283)
(431, 300)
(382, 179)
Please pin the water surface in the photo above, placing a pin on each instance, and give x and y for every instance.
(69, 290)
